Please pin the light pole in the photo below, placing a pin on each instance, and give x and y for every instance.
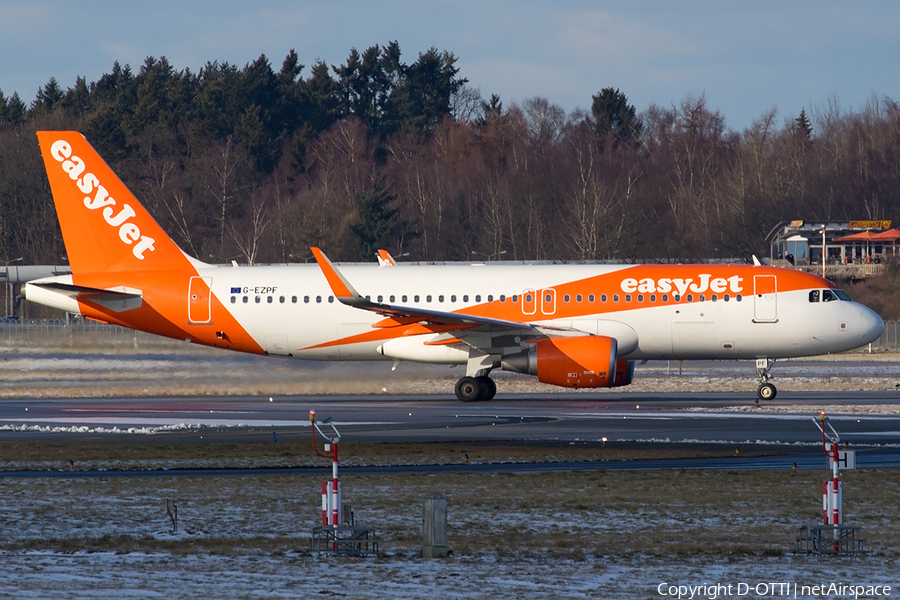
(9, 286)
(823, 251)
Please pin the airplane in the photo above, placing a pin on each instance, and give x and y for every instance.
(571, 325)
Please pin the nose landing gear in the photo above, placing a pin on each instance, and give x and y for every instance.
(766, 390)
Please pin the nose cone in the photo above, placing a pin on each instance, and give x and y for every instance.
(870, 325)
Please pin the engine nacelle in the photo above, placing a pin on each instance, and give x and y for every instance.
(577, 362)
(624, 373)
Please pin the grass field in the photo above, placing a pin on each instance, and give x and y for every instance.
(606, 533)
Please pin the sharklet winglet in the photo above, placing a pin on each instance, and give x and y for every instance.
(343, 290)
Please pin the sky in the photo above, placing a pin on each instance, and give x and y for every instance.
(745, 58)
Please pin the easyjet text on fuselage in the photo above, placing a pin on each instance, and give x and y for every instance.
(705, 282)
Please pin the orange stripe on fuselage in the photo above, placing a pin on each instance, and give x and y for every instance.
(650, 281)
(381, 335)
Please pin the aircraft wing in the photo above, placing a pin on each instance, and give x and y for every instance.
(405, 315)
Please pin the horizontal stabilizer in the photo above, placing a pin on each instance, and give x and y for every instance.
(118, 299)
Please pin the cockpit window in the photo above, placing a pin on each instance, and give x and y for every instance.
(828, 296)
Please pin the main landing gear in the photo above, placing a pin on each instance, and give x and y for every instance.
(766, 390)
(475, 389)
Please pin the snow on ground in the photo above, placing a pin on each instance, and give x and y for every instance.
(139, 576)
(248, 537)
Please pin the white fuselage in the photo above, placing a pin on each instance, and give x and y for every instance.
(290, 310)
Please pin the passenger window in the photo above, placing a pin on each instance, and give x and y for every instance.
(477, 297)
(715, 298)
(814, 296)
(726, 297)
(627, 297)
(428, 298)
(690, 297)
(490, 298)
(305, 299)
(453, 298)
(392, 298)
(702, 297)
(676, 298)
(528, 298)
(441, 298)
(416, 298)
(640, 297)
(502, 298)
(318, 299)
(257, 299)
(566, 298)
(330, 299)
(245, 299)
(294, 299)
(652, 297)
(269, 299)
(615, 298)
(233, 299)
(403, 298)
(465, 297)
(515, 298)
(665, 297)
(738, 297)
(578, 298)
(281, 299)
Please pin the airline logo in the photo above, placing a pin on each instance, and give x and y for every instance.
(705, 282)
(87, 182)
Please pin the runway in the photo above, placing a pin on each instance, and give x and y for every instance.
(785, 428)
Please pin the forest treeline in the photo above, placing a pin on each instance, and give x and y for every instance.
(257, 165)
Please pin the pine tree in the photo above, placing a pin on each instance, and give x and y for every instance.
(615, 120)
(804, 127)
(375, 217)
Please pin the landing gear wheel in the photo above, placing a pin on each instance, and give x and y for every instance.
(468, 389)
(488, 388)
(766, 391)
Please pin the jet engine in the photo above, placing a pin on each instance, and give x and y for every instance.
(624, 373)
(576, 362)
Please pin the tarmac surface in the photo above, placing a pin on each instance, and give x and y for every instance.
(868, 421)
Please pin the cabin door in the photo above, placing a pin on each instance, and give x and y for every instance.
(199, 298)
(765, 299)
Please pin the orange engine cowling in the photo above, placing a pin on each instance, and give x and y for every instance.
(578, 362)
(624, 373)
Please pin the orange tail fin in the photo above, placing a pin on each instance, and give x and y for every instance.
(104, 226)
